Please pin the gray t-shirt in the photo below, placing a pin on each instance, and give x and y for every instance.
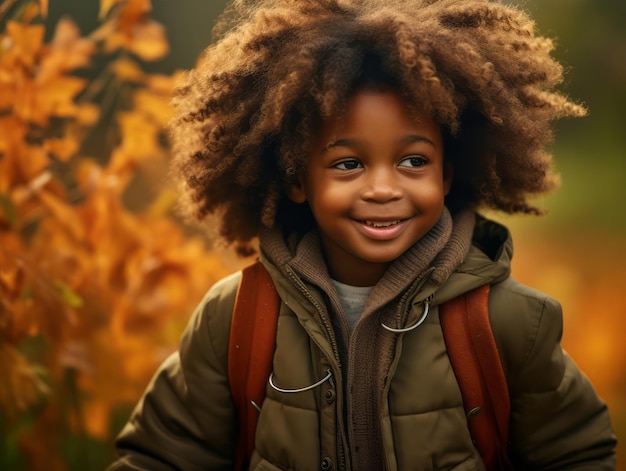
(353, 300)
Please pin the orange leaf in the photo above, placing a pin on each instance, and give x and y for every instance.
(39, 445)
(67, 51)
(33, 161)
(30, 12)
(98, 419)
(62, 148)
(89, 176)
(65, 215)
(149, 42)
(43, 5)
(55, 97)
(7, 95)
(19, 385)
(12, 133)
(146, 40)
(25, 41)
(11, 275)
(127, 70)
(23, 193)
(134, 12)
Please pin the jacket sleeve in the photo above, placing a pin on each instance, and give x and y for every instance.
(186, 417)
(558, 422)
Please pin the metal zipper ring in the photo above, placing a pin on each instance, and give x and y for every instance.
(415, 326)
(329, 374)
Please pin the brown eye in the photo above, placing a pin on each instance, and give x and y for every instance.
(413, 161)
(348, 164)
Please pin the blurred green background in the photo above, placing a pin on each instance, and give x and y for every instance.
(578, 252)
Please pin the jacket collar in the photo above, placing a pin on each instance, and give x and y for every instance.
(488, 261)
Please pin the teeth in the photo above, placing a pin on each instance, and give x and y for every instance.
(382, 224)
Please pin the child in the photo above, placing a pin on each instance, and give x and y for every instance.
(356, 139)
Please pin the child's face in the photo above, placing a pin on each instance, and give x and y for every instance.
(375, 181)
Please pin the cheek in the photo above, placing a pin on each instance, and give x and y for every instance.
(320, 192)
(325, 202)
(429, 192)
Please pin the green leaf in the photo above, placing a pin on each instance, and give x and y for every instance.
(70, 297)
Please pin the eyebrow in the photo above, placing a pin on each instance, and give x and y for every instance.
(342, 143)
(351, 143)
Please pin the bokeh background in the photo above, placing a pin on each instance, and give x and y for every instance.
(98, 276)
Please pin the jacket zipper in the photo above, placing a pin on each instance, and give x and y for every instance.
(325, 322)
(333, 343)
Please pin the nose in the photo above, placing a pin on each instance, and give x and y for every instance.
(381, 186)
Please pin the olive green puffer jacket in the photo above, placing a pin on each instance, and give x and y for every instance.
(186, 419)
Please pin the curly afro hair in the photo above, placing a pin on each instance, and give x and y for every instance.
(246, 113)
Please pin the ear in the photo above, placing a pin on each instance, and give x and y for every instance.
(448, 174)
(296, 192)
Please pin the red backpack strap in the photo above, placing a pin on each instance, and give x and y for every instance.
(477, 367)
(250, 352)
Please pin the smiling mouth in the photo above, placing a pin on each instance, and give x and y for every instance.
(382, 224)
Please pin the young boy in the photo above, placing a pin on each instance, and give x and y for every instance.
(356, 140)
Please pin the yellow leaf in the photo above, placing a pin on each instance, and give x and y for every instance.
(139, 135)
(156, 106)
(164, 83)
(120, 170)
(127, 70)
(87, 114)
(164, 203)
(106, 6)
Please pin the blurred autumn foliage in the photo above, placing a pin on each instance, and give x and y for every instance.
(92, 294)
(95, 289)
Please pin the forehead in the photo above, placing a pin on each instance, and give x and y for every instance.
(378, 113)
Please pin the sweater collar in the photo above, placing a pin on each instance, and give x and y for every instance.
(434, 256)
